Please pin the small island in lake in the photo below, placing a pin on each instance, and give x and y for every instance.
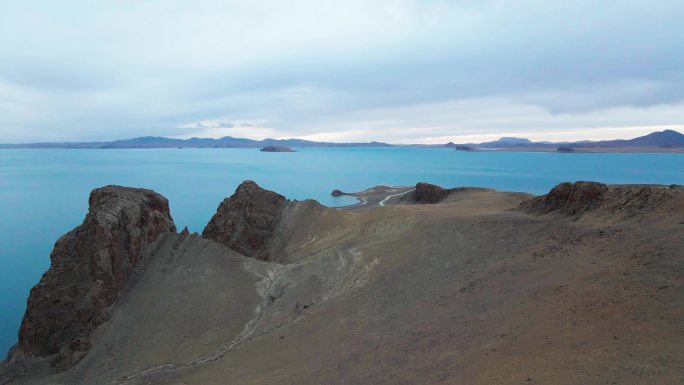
(277, 149)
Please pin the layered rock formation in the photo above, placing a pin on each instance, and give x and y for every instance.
(90, 268)
(247, 220)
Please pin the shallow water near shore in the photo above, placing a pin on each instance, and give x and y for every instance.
(44, 193)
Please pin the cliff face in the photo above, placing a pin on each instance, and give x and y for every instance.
(90, 267)
(247, 220)
(264, 225)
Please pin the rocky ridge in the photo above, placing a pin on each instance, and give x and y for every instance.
(575, 199)
(91, 266)
(569, 198)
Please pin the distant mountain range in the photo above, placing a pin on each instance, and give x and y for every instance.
(668, 139)
(161, 142)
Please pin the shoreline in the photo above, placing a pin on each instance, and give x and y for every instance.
(597, 150)
(382, 195)
(373, 197)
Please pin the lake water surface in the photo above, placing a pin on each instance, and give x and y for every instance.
(44, 193)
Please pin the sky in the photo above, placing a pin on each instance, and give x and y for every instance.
(400, 71)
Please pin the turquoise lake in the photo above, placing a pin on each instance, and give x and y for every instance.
(44, 193)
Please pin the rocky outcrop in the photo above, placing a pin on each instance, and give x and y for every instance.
(575, 199)
(91, 266)
(247, 220)
(428, 193)
(638, 199)
(337, 193)
(569, 198)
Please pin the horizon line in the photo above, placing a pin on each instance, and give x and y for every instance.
(494, 137)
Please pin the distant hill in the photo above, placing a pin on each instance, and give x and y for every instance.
(507, 141)
(661, 139)
(161, 142)
(667, 139)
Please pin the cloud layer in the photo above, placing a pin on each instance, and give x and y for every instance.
(399, 71)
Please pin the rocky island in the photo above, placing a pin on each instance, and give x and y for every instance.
(424, 285)
(277, 149)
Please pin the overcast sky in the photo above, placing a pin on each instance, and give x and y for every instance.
(399, 71)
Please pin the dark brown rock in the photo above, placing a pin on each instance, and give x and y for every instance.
(90, 268)
(429, 193)
(575, 199)
(337, 193)
(247, 220)
(569, 198)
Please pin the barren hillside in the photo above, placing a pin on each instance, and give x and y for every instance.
(580, 286)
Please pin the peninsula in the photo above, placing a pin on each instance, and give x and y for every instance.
(421, 285)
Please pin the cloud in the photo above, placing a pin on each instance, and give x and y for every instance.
(398, 70)
(210, 124)
(208, 130)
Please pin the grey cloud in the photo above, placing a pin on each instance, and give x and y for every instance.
(70, 78)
